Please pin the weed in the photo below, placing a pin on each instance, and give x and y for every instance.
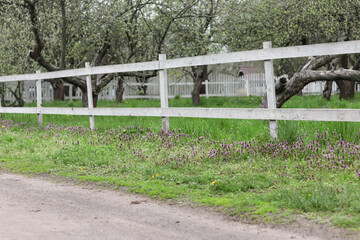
(313, 168)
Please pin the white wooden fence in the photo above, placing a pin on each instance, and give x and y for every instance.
(219, 84)
(267, 55)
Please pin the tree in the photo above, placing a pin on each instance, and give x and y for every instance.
(141, 35)
(310, 73)
(194, 35)
(13, 60)
(292, 22)
(65, 34)
(78, 38)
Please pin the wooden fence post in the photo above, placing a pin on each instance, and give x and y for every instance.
(270, 89)
(90, 97)
(164, 93)
(39, 101)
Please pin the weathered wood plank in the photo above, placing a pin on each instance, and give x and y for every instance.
(266, 54)
(253, 55)
(131, 67)
(347, 115)
(164, 96)
(39, 101)
(90, 96)
(270, 90)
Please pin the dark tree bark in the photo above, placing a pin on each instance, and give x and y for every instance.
(120, 90)
(2, 94)
(328, 85)
(84, 98)
(58, 89)
(327, 90)
(63, 33)
(200, 74)
(95, 100)
(347, 88)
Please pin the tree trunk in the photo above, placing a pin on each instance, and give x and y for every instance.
(120, 90)
(19, 95)
(2, 94)
(58, 88)
(328, 85)
(84, 98)
(201, 74)
(327, 90)
(347, 88)
(195, 93)
(95, 99)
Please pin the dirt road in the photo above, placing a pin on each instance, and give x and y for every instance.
(35, 209)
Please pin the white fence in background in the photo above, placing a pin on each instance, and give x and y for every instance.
(218, 85)
(267, 55)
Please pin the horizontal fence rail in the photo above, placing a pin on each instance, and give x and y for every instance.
(217, 86)
(267, 55)
(298, 114)
(245, 56)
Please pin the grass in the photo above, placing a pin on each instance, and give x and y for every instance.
(313, 170)
(248, 129)
(214, 128)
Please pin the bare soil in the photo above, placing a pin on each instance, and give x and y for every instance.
(36, 209)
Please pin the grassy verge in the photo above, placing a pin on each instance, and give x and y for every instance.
(214, 128)
(313, 170)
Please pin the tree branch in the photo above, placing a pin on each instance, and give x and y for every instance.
(102, 51)
(105, 80)
(35, 53)
(341, 74)
(318, 62)
(63, 34)
(300, 80)
(285, 90)
(171, 21)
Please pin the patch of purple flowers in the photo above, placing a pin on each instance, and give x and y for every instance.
(327, 153)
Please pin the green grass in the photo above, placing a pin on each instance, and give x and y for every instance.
(230, 164)
(215, 128)
(211, 127)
